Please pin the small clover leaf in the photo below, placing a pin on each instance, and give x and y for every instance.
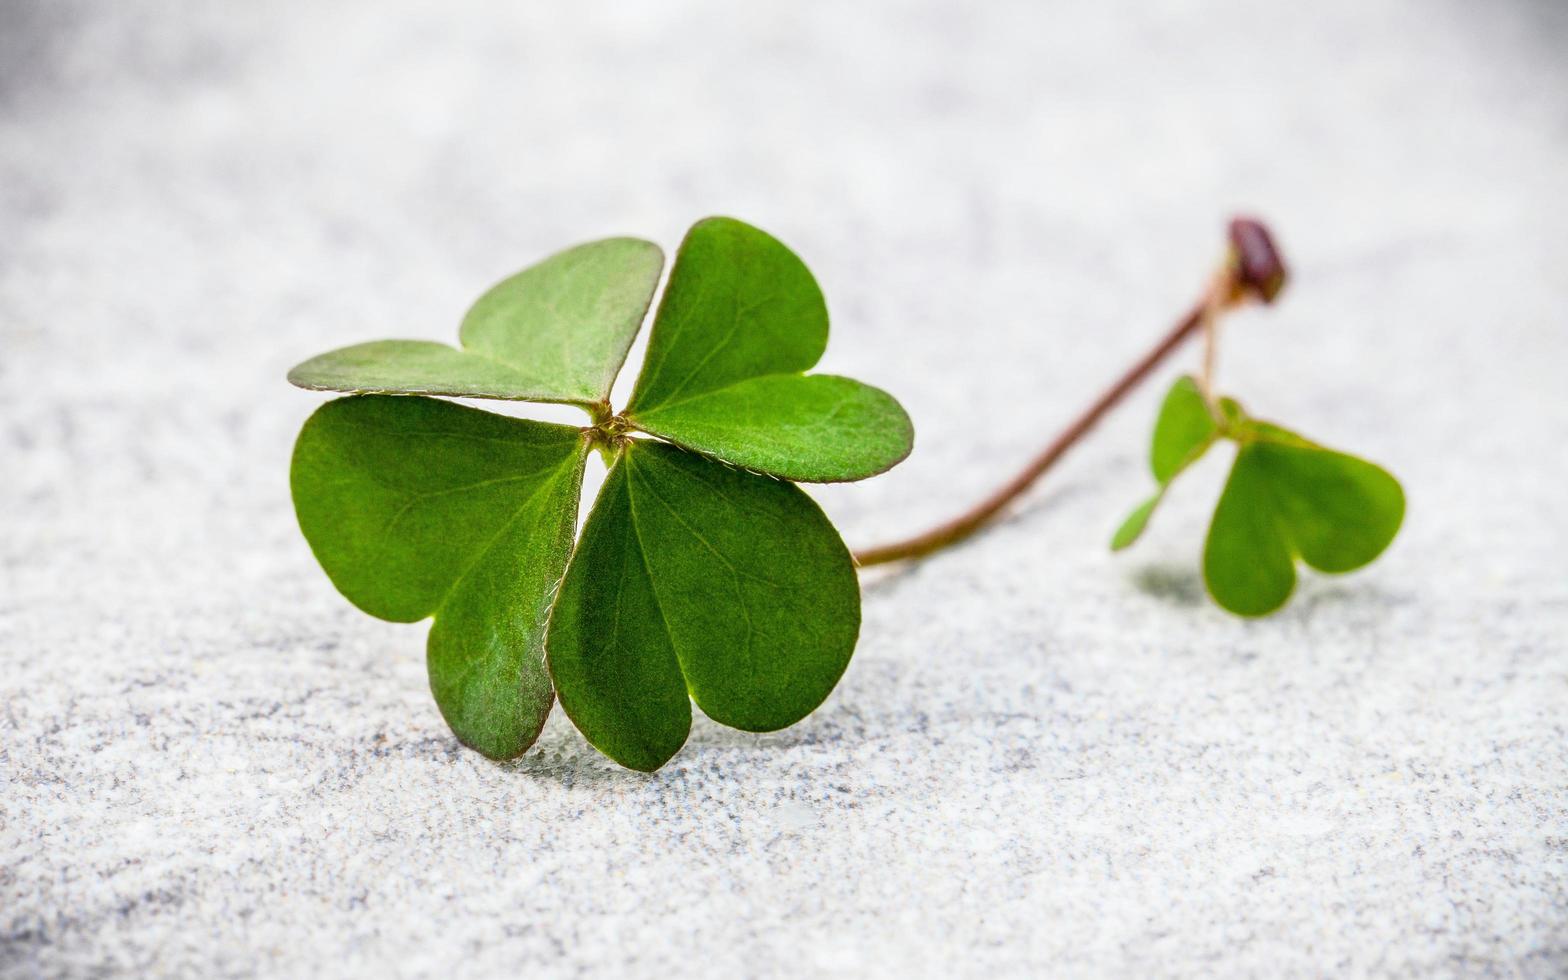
(1286, 498)
(1183, 432)
(692, 579)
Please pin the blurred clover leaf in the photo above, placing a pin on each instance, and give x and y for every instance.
(1286, 498)
(701, 574)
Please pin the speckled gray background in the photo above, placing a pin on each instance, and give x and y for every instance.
(1045, 760)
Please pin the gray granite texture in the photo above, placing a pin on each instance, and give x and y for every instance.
(1045, 760)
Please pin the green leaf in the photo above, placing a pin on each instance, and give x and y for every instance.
(1256, 430)
(738, 305)
(418, 507)
(610, 652)
(819, 429)
(741, 319)
(1132, 528)
(1247, 563)
(555, 332)
(414, 367)
(569, 320)
(692, 577)
(1341, 511)
(1184, 429)
(1183, 432)
(1287, 498)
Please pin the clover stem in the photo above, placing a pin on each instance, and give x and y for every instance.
(1215, 301)
(608, 435)
(1252, 270)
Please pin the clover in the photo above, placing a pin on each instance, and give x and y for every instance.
(1286, 498)
(702, 572)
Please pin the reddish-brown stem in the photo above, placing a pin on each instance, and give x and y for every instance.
(1222, 293)
(1253, 270)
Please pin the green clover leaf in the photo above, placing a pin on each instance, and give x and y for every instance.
(1287, 498)
(696, 577)
(555, 332)
(1183, 432)
(741, 320)
(692, 580)
(418, 507)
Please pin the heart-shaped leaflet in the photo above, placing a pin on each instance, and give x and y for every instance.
(1287, 498)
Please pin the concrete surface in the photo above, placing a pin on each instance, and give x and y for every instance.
(1045, 760)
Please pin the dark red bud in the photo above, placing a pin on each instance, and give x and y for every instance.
(1258, 263)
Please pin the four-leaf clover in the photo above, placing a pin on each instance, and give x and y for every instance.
(1286, 498)
(701, 573)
